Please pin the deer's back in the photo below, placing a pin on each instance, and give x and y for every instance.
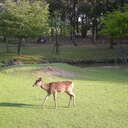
(61, 86)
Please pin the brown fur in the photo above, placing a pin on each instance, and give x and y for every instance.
(56, 87)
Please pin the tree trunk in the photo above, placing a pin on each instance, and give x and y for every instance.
(83, 29)
(122, 3)
(17, 1)
(77, 25)
(107, 5)
(93, 33)
(73, 21)
(7, 48)
(72, 36)
(94, 30)
(111, 44)
(52, 30)
(19, 46)
(56, 44)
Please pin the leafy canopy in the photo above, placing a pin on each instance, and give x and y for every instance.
(115, 24)
(24, 19)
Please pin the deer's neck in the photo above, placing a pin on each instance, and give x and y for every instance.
(44, 86)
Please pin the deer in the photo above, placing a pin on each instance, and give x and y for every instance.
(53, 88)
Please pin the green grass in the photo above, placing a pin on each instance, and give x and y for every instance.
(40, 52)
(101, 99)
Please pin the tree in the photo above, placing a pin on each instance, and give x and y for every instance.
(24, 19)
(115, 24)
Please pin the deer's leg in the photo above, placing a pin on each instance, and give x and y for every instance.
(55, 99)
(69, 101)
(72, 96)
(46, 97)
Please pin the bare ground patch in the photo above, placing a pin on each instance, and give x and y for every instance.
(55, 71)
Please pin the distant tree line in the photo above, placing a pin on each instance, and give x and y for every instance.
(83, 15)
(35, 18)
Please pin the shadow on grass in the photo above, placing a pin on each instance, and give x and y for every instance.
(31, 106)
(7, 104)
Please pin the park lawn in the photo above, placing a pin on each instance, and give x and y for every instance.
(101, 98)
(37, 53)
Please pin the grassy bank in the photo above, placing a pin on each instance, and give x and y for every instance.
(36, 53)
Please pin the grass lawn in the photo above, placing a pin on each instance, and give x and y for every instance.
(101, 99)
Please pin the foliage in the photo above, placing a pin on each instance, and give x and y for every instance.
(24, 19)
(115, 24)
(88, 8)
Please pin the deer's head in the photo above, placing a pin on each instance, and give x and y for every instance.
(38, 82)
